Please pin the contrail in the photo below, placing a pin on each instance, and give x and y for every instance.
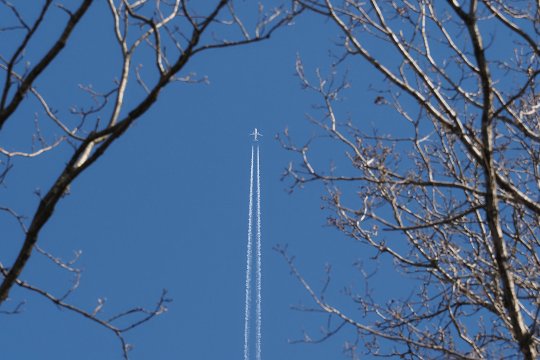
(255, 165)
(258, 318)
(248, 264)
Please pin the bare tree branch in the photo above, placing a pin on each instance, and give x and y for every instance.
(454, 188)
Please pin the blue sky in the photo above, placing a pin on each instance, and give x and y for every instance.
(167, 206)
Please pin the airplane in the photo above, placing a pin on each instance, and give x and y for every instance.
(255, 133)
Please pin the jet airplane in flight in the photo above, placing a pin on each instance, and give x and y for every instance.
(256, 134)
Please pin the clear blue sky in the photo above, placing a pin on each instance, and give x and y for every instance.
(167, 206)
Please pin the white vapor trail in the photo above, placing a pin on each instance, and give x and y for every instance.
(258, 318)
(250, 261)
(249, 255)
